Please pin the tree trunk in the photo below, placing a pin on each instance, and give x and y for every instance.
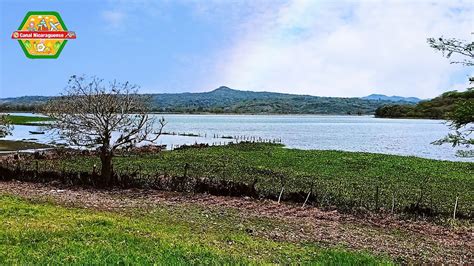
(106, 170)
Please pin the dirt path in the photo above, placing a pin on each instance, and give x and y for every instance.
(402, 240)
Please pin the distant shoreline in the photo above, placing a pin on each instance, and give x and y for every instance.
(258, 114)
(209, 113)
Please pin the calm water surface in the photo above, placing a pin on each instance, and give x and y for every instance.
(348, 133)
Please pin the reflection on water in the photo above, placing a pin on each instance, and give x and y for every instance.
(349, 133)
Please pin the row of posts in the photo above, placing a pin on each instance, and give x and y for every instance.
(282, 181)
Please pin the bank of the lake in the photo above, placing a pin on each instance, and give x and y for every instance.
(320, 132)
(14, 146)
(346, 180)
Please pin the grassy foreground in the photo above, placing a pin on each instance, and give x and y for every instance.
(345, 179)
(44, 233)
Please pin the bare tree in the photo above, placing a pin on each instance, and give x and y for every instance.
(5, 126)
(106, 116)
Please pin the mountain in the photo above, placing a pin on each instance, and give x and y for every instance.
(381, 97)
(227, 100)
(436, 108)
(25, 100)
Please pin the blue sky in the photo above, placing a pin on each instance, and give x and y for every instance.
(314, 47)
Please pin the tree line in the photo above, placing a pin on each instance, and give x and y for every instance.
(437, 108)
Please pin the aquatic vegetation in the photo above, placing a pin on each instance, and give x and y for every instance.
(28, 120)
(346, 180)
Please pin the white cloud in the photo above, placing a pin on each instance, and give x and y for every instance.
(113, 18)
(347, 48)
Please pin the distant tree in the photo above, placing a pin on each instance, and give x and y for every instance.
(5, 126)
(396, 111)
(106, 116)
(462, 117)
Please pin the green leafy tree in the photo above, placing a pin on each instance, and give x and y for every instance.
(453, 46)
(461, 122)
(461, 119)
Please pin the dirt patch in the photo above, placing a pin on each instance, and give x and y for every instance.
(403, 240)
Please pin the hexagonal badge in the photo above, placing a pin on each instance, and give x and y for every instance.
(43, 34)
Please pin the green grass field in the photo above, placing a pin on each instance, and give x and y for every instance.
(45, 233)
(28, 120)
(344, 179)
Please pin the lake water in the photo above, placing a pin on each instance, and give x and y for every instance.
(348, 133)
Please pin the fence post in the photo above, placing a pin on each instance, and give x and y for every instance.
(455, 207)
(393, 202)
(282, 182)
(186, 167)
(281, 192)
(309, 193)
(306, 200)
(377, 198)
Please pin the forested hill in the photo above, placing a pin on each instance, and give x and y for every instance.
(437, 108)
(392, 98)
(226, 100)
